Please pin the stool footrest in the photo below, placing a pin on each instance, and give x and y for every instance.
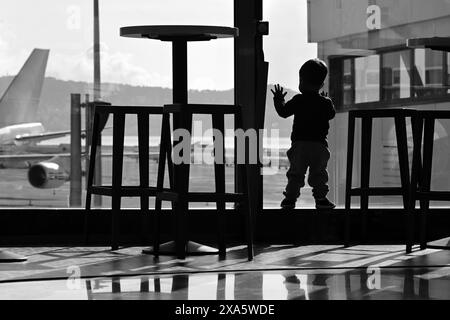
(386, 191)
(201, 196)
(125, 191)
(434, 195)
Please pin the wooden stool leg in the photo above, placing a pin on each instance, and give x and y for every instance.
(251, 205)
(366, 148)
(95, 137)
(403, 159)
(349, 177)
(251, 177)
(417, 128)
(143, 136)
(402, 149)
(117, 168)
(169, 153)
(426, 181)
(218, 124)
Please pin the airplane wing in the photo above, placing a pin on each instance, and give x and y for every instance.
(31, 157)
(43, 136)
(38, 157)
(48, 136)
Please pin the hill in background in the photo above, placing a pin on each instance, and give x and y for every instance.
(54, 110)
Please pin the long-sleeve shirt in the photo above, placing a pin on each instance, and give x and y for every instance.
(312, 114)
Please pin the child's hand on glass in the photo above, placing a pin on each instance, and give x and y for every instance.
(279, 93)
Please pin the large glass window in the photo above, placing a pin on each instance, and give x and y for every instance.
(133, 72)
(396, 75)
(428, 73)
(367, 79)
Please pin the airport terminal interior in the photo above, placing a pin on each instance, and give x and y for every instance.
(95, 203)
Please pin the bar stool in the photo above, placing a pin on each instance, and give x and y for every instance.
(365, 191)
(421, 173)
(116, 190)
(179, 193)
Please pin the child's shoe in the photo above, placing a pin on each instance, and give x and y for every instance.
(324, 204)
(288, 204)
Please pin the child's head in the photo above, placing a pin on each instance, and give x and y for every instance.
(312, 75)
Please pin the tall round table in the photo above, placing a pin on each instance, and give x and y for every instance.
(180, 35)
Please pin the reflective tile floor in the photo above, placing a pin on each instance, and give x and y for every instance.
(277, 273)
(331, 284)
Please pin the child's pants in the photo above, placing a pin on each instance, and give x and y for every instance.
(304, 154)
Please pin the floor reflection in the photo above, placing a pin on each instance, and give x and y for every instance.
(277, 273)
(361, 284)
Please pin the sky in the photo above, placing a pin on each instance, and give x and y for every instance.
(66, 28)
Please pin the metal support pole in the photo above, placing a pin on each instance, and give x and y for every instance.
(75, 151)
(88, 119)
(97, 97)
(250, 80)
(97, 71)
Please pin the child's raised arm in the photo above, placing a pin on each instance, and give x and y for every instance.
(278, 100)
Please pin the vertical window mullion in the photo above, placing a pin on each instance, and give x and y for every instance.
(381, 91)
(413, 75)
(445, 73)
(353, 81)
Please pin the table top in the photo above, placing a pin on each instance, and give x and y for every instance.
(179, 32)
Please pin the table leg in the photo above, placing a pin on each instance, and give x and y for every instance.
(180, 177)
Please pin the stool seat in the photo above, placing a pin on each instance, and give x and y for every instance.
(108, 109)
(382, 113)
(434, 114)
(208, 109)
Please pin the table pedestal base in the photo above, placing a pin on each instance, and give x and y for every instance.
(192, 249)
(443, 244)
(8, 257)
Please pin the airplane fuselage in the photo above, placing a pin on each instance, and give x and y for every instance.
(9, 134)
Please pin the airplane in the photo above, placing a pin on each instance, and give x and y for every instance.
(20, 133)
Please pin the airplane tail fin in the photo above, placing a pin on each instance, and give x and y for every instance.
(20, 101)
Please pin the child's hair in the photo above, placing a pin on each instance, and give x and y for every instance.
(314, 71)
